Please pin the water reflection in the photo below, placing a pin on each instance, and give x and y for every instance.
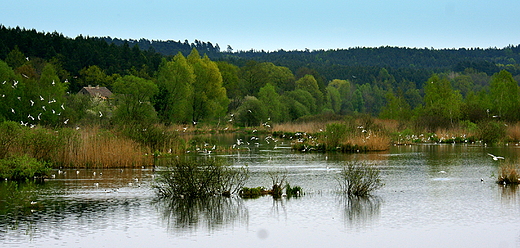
(360, 211)
(508, 193)
(211, 213)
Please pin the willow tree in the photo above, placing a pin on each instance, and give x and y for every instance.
(175, 80)
(209, 96)
(505, 96)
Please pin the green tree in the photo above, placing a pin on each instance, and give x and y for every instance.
(309, 84)
(299, 103)
(442, 103)
(251, 112)
(230, 79)
(15, 58)
(209, 96)
(175, 80)
(255, 75)
(8, 93)
(505, 94)
(92, 75)
(333, 99)
(133, 96)
(345, 93)
(396, 108)
(270, 99)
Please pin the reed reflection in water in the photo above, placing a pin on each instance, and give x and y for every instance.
(209, 213)
(359, 211)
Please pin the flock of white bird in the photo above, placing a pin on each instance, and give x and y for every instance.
(31, 120)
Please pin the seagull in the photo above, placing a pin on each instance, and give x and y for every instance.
(39, 116)
(495, 157)
(66, 121)
(100, 114)
(12, 110)
(30, 117)
(41, 98)
(32, 102)
(62, 107)
(53, 83)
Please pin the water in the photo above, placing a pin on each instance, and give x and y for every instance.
(433, 197)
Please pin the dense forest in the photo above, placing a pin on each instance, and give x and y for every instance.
(175, 82)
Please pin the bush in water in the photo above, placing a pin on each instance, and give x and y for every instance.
(359, 179)
(185, 178)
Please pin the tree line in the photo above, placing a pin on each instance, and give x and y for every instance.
(42, 72)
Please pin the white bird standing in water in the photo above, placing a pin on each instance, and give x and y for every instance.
(495, 157)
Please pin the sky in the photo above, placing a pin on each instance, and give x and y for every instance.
(271, 25)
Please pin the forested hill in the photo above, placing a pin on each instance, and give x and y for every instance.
(169, 47)
(485, 60)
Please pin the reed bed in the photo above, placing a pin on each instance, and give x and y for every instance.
(98, 148)
(513, 132)
(371, 142)
(307, 127)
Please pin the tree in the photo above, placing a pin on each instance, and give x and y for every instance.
(299, 103)
(230, 79)
(209, 96)
(309, 84)
(133, 96)
(505, 96)
(255, 75)
(333, 99)
(442, 103)
(271, 101)
(175, 80)
(15, 58)
(251, 112)
(9, 93)
(396, 108)
(345, 93)
(92, 75)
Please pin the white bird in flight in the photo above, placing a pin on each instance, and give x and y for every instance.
(495, 157)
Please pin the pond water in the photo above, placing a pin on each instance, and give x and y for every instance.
(433, 196)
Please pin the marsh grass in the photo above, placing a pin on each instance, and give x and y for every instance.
(99, 148)
(513, 132)
(508, 174)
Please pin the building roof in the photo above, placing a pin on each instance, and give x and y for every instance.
(97, 91)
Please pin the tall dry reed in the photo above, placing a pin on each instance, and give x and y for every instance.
(94, 147)
(513, 132)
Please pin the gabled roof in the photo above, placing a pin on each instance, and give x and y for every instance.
(97, 91)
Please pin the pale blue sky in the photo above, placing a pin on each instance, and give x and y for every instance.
(279, 24)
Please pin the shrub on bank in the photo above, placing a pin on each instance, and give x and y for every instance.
(22, 168)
